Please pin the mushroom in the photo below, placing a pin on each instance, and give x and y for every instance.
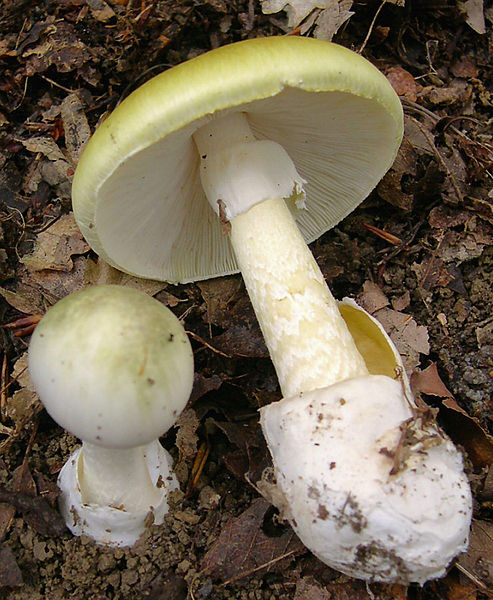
(279, 137)
(378, 491)
(115, 368)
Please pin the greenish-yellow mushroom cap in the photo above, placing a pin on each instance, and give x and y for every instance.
(137, 193)
(112, 365)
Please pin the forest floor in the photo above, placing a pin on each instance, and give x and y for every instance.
(417, 253)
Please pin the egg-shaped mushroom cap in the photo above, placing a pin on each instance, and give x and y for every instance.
(137, 194)
(112, 365)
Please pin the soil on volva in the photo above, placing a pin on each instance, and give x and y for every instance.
(419, 246)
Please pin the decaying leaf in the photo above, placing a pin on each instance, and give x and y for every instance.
(101, 273)
(55, 247)
(101, 10)
(229, 307)
(479, 558)
(390, 187)
(10, 574)
(463, 429)
(243, 549)
(242, 341)
(36, 511)
(326, 15)
(75, 126)
(25, 299)
(60, 47)
(474, 14)
(403, 83)
(410, 339)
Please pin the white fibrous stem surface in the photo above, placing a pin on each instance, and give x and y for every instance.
(117, 477)
(372, 487)
(308, 341)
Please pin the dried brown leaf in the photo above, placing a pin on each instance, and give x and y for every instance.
(372, 298)
(410, 339)
(60, 47)
(75, 126)
(10, 574)
(36, 512)
(101, 273)
(479, 558)
(463, 429)
(100, 10)
(432, 272)
(474, 12)
(55, 246)
(403, 83)
(390, 187)
(25, 299)
(243, 549)
(308, 588)
(242, 341)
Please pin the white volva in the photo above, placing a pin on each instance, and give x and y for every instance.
(115, 368)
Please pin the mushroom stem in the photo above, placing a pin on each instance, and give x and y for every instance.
(309, 342)
(118, 477)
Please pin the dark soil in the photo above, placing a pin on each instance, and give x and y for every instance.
(423, 239)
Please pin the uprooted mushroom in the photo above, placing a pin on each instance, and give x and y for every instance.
(274, 141)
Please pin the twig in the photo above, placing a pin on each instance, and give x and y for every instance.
(372, 24)
(259, 568)
(197, 338)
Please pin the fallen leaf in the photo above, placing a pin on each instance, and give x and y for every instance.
(101, 273)
(403, 83)
(479, 558)
(242, 341)
(391, 187)
(463, 429)
(54, 285)
(25, 299)
(297, 10)
(465, 67)
(75, 126)
(308, 588)
(432, 272)
(467, 432)
(330, 20)
(326, 15)
(409, 338)
(243, 549)
(59, 47)
(55, 246)
(36, 511)
(100, 10)
(474, 15)
(10, 574)
(202, 385)
(372, 298)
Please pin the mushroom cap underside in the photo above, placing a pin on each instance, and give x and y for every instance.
(137, 194)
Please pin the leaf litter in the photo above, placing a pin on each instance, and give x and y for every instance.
(65, 65)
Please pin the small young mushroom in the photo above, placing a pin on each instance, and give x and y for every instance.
(281, 138)
(114, 367)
